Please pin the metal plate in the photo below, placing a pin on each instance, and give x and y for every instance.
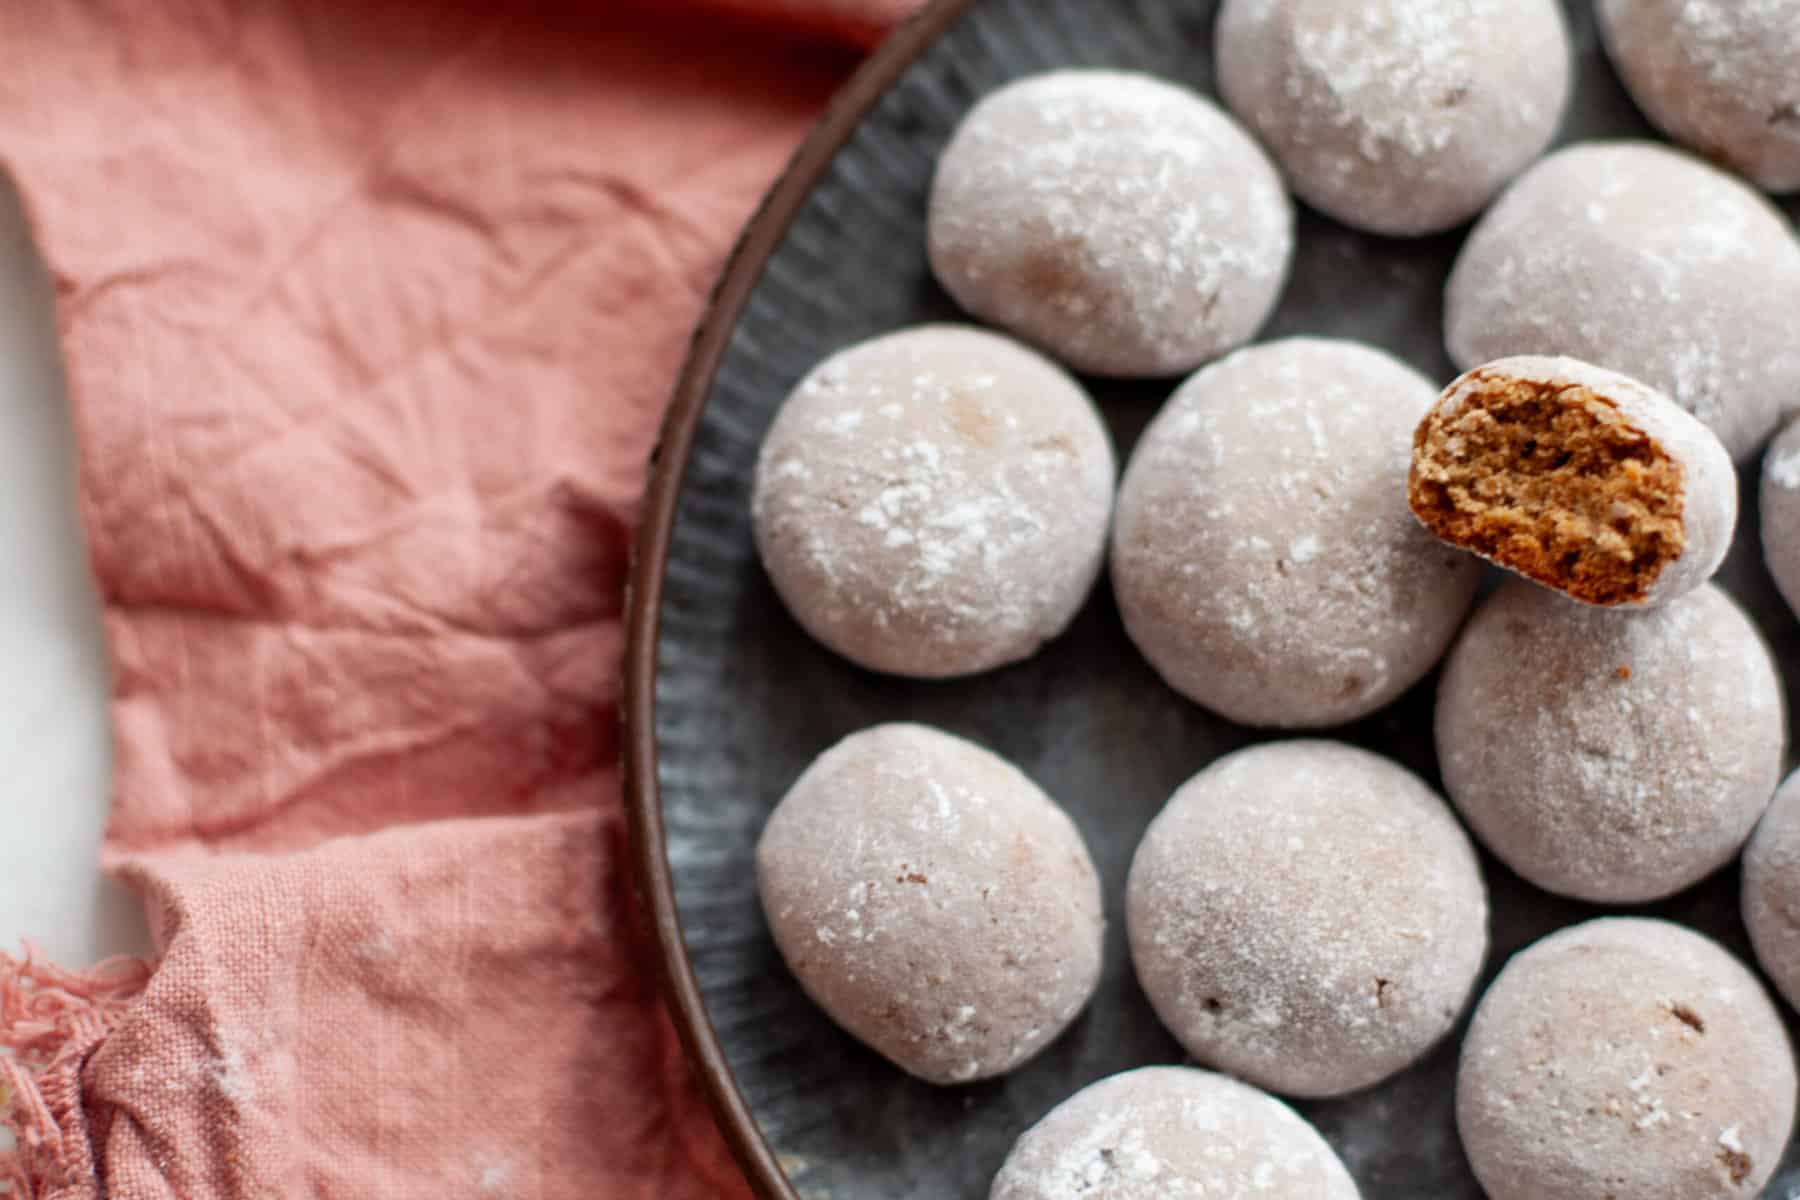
(739, 700)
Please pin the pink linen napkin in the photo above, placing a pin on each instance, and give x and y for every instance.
(370, 312)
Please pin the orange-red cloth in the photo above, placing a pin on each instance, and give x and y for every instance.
(370, 309)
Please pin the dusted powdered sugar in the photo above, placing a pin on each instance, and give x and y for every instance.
(1124, 224)
(934, 502)
(1772, 889)
(1771, 898)
(1629, 1058)
(933, 901)
(1781, 513)
(1172, 1133)
(1720, 76)
(1610, 756)
(1264, 557)
(1397, 116)
(1640, 259)
(1307, 916)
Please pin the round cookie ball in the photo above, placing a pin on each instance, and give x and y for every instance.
(933, 901)
(1716, 75)
(1163, 1132)
(1781, 513)
(1615, 757)
(1771, 896)
(1224, 910)
(1644, 260)
(1625, 1057)
(1126, 225)
(934, 502)
(1578, 478)
(1264, 557)
(1399, 117)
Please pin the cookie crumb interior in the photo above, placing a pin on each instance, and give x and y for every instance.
(1553, 482)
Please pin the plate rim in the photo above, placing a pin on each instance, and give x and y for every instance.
(653, 877)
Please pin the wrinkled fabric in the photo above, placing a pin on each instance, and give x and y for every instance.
(370, 311)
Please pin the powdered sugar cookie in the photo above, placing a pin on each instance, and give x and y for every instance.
(934, 502)
(1578, 478)
(1126, 225)
(1625, 1057)
(1264, 558)
(1400, 117)
(1640, 259)
(1716, 75)
(933, 901)
(1160, 1133)
(1781, 513)
(1225, 907)
(1615, 757)
(1771, 899)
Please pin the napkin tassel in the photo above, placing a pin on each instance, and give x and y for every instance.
(51, 1020)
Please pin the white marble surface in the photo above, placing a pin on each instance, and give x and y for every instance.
(53, 732)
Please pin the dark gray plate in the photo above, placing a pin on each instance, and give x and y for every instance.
(739, 700)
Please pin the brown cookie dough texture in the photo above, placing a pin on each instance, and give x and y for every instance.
(934, 502)
(1399, 117)
(1630, 1058)
(1772, 890)
(1615, 757)
(1577, 478)
(1719, 76)
(1127, 226)
(1168, 1133)
(1263, 556)
(933, 901)
(1307, 916)
(1781, 513)
(1645, 260)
